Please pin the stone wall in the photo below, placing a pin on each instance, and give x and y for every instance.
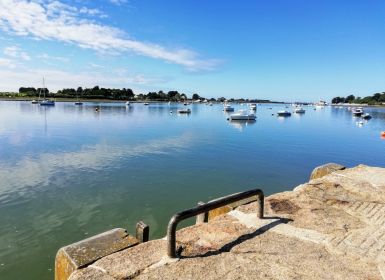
(332, 227)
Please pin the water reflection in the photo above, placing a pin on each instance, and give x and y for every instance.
(32, 172)
(241, 125)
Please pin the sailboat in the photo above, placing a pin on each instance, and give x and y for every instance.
(46, 102)
(77, 99)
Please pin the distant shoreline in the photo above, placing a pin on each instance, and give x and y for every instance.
(61, 99)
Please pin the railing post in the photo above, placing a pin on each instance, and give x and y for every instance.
(202, 218)
(261, 204)
(142, 232)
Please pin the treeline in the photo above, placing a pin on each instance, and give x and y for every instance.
(162, 96)
(375, 99)
(107, 93)
(87, 93)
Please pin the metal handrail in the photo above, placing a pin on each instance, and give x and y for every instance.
(213, 204)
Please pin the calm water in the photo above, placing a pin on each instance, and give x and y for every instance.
(69, 172)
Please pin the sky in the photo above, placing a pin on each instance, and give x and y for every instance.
(286, 50)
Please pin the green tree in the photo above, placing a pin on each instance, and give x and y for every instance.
(349, 98)
(195, 96)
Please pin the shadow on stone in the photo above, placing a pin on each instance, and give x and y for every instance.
(227, 247)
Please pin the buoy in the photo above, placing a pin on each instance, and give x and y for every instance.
(383, 134)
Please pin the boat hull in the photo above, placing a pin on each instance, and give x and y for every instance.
(242, 118)
(299, 111)
(47, 103)
(188, 111)
(284, 114)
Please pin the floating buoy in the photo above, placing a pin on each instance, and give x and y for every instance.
(383, 134)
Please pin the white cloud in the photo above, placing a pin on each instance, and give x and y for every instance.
(57, 21)
(92, 12)
(12, 79)
(5, 62)
(16, 52)
(45, 56)
(118, 2)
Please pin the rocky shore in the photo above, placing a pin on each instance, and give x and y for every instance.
(332, 227)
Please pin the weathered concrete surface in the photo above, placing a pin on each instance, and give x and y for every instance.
(85, 252)
(330, 228)
(325, 169)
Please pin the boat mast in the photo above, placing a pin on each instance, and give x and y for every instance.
(44, 87)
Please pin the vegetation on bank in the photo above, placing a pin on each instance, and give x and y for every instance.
(97, 93)
(375, 99)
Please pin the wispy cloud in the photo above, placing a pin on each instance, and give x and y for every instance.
(118, 2)
(16, 52)
(8, 63)
(47, 57)
(55, 20)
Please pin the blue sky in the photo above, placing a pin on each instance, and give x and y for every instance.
(279, 50)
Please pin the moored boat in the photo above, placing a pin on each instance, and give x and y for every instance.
(357, 112)
(253, 106)
(299, 110)
(283, 113)
(366, 116)
(184, 111)
(228, 108)
(46, 102)
(242, 115)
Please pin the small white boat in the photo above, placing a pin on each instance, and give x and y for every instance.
(253, 106)
(78, 103)
(242, 115)
(35, 102)
(299, 110)
(366, 116)
(47, 102)
(184, 111)
(357, 112)
(228, 108)
(146, 103)
(210, 104)
(128, 103)
(283, 113)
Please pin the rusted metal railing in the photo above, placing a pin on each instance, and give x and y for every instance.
(204, 208)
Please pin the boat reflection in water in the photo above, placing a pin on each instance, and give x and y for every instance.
(241, 124)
